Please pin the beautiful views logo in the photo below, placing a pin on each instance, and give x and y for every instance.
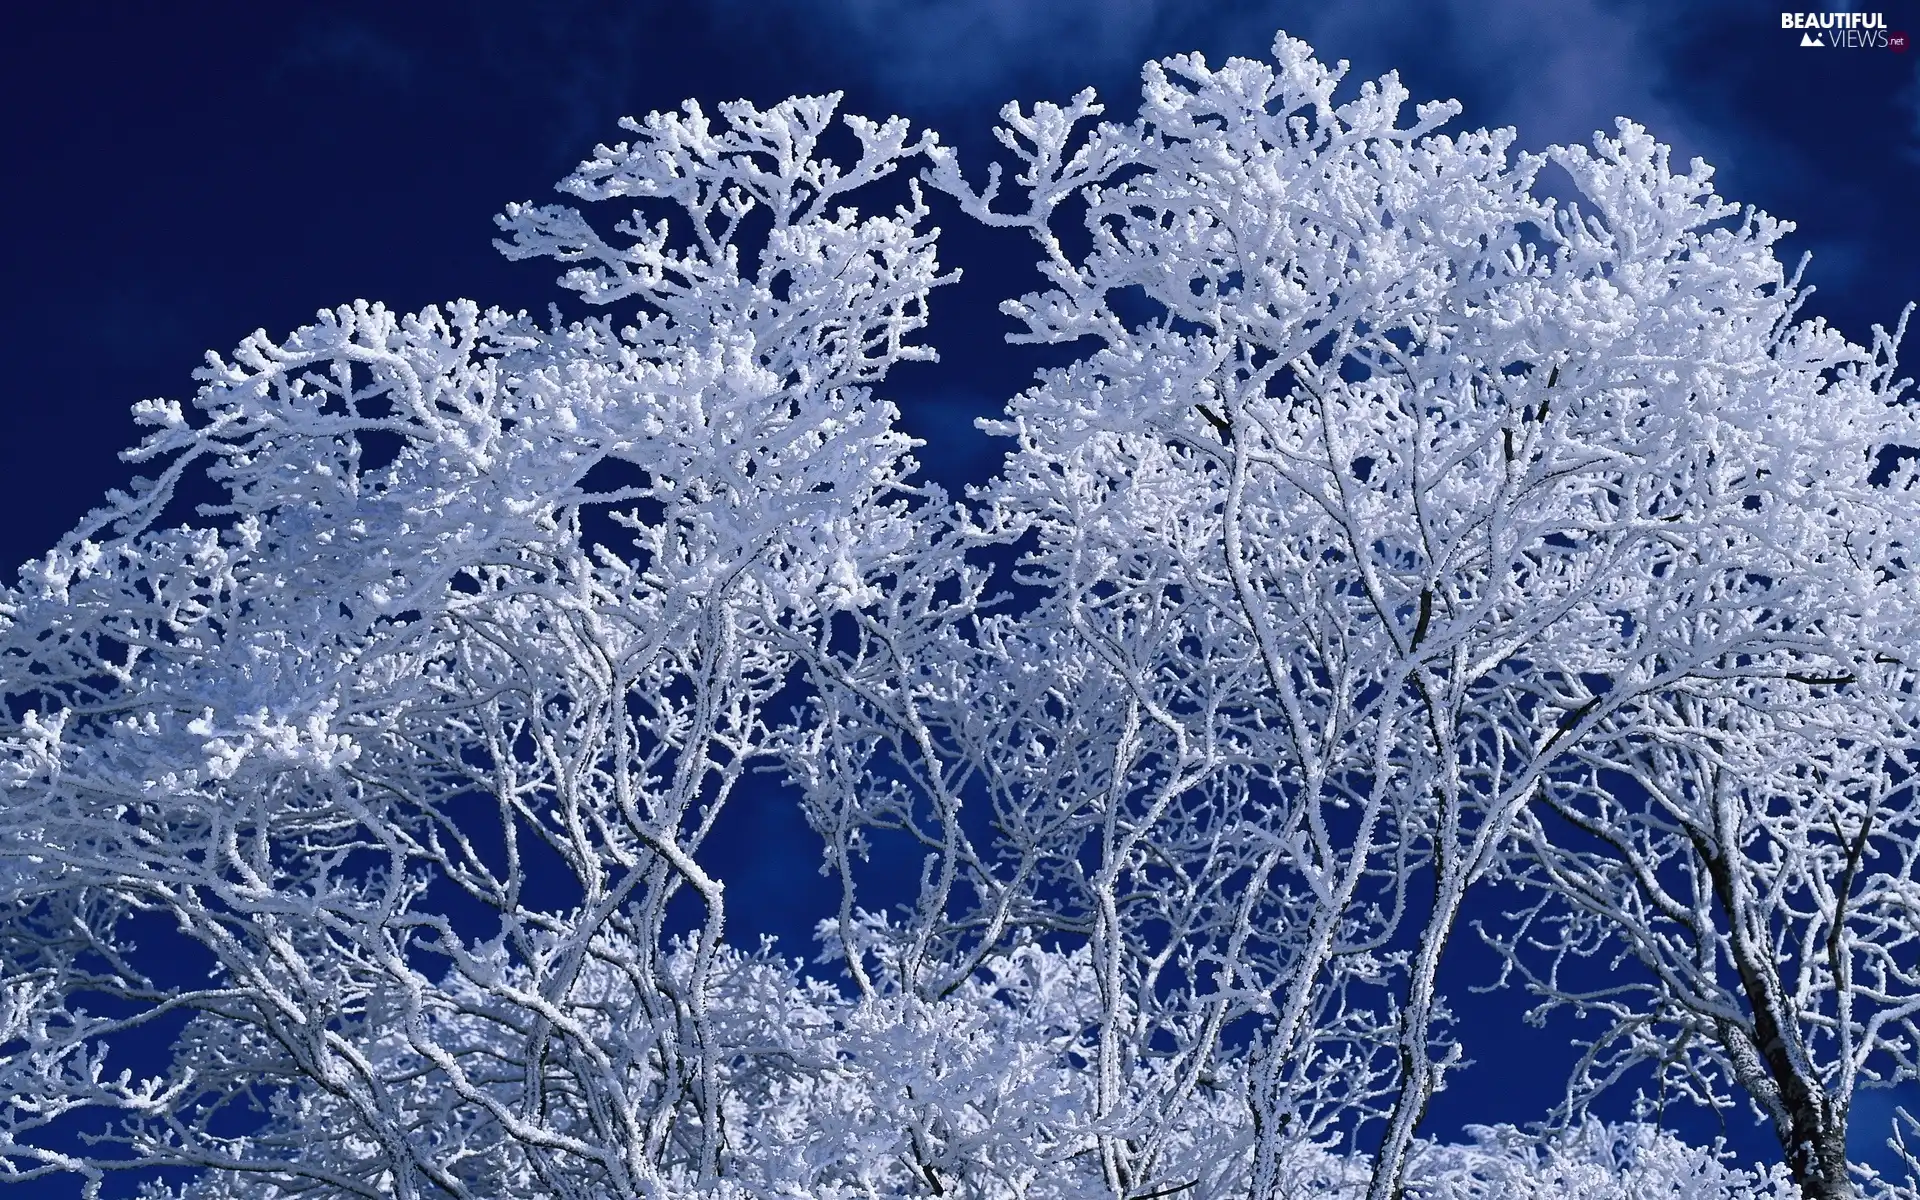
(1844, 30)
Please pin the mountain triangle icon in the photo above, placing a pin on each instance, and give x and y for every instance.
(1809, 39)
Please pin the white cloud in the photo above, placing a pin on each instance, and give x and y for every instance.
(1558, 71)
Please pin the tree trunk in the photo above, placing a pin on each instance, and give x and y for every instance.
(1817, 1151)
(1774, 1066)
(1420, 1075)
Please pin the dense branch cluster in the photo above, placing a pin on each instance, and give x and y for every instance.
(1415, 520)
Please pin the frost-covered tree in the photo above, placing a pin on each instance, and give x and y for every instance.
(1749, 833)
(1759, 863)
(389, 738)
(1399, 527)
(1392, 484)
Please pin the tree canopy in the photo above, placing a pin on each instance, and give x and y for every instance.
(1412, 518)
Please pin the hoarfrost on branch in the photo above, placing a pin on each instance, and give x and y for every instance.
(1399, 533)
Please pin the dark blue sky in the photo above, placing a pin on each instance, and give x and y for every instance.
(186, 173)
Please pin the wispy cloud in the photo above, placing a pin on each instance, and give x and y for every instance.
(1558, 71)
(1700, 76)
(942, 54)
(1561, 70)
(344, 47)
